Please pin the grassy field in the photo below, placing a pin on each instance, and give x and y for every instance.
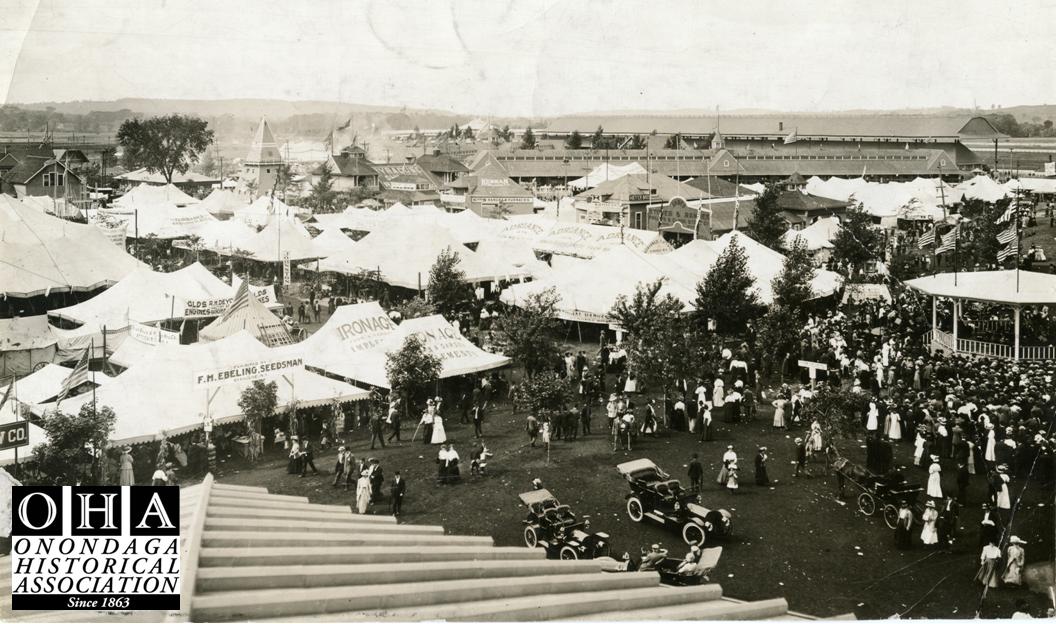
(795, 539)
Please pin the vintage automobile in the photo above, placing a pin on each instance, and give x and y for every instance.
(654, 495)
(553, 526)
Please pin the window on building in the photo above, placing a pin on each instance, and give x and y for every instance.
(637, 220)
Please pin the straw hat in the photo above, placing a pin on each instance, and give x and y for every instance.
(1015, 540)
(931, 504)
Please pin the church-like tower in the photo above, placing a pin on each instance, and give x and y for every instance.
(261, 166)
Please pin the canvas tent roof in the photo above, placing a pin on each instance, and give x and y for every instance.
(156, 178)
(983, 187)
(148, 296)
(40, 253)
(816, 236)
(457, 355)
(333, 242)
(169, 370)
(222, 202)
(25, 332)
(246, 313)
(466, 226)
(516, 253)
(993, 286)
(281, 237)
(588, 290)
(604, 173)
(145, 196)
(407, 265)
(581, 240)
(225, 236)
(164, 220)
(1034, 185)
(42, 384)
(264, 210)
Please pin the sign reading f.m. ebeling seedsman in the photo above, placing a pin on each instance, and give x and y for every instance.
(107, 548)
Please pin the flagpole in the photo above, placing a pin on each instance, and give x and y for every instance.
(93, 376)
(1015, 215)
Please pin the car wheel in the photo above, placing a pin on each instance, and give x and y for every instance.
(866, 503)
(567, 552)
(634, 509)
(693, 534)
(891, 516)
(531, 538)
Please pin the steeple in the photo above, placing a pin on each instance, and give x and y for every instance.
(261, 167)
(264, 149)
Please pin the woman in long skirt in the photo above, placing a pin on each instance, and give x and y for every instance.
(363, 492)
(439, 435)
(988, 562)
(126, 477)
(779, 413)
(894, 430)
(935, 478)
(1014, 558)
(929, 535)
(873, 420)
(731, 478)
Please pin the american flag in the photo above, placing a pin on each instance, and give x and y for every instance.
(240, 301)
(928, 238)
(949, 240)
(1008, 251)
(1008, 214)
(1008, 235)
(77, 377)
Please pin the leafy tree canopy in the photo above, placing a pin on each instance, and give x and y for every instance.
(447, 288)
(655, 336)
(726, 293)
(528, 140)
(767, 225)
(65, 458)
(792, 285)
(258, 402)
(543, 392)
(857, 242)
(527, 331)
(165, 145)
(412, 370)
(574, 140)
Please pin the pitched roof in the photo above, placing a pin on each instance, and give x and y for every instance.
(716, 186)
(26, 168)
(349, 165)
(442, 163)
(661, 187)
(797, 201)
(264, 148)
(722, 215)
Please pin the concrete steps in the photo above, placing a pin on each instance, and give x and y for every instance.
(233, 510)
(294, 576)
(255, 604)
(712, 609)
(322, 555)
(232, 523)
(261, 539)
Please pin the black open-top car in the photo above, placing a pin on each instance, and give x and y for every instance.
(655, 495)
(553, 526)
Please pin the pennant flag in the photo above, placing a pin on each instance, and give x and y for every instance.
(949, 241)
(7, 394)
(928, 238)
(792, 137)
(77, 377)
(1009, 213)
(1008, 251)
(1007, 236)
(345, 125)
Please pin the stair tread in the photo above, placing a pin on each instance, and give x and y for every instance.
(477, 608)
(367, 568)
(343, 523)
(230, 509)
(262, 597)
(718, 608)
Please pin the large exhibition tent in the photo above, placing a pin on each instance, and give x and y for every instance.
(588, 290)
(604, 173)
(26, 343)
(223, 203)
(1040, 186)
(265, 210)
(171, 371)
(515, 253)
(40, 254)
(581, 240)
(406, 264)
(282, 238)
(163, 220)
(225, 237)
(984, 188)
(148, 296)
(147, 196)
(365, 337)
(246, 313)
(816, 236)
(333, 242)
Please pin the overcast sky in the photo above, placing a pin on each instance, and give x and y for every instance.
(535, 57)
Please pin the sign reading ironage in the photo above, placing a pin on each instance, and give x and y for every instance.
(96, 548)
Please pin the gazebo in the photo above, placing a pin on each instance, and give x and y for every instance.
(1016, 289)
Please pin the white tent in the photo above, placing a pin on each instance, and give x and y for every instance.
(1046, 186)
(25, 343)
(404, 255)
(146, 196)
(147, 296)
(265, 210)
(40, 254)
(246, 313)
(281, 237)
(581, 240)
(350, 329)
(225, 236)
(588, 290)
(983, 187)
(168, 372)
(164, 220)
(222, 203)
(515, 253)
(604, 173)
(457, 355)
(333, 242)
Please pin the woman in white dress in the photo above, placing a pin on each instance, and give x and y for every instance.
(1003, 499)
(1015, 557)
(971, 457)
(991, 443)
(918, 448)
(935, 478)
(779, 413)
(363, 492)
(929, 535)
(872, 422)
(894, 430)
(439, 435)
(814, 443)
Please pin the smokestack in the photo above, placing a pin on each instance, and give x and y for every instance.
(780, 126)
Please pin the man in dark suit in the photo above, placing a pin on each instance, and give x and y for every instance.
(963, 478)
(397, 489)
(377, 480)
(696, 474)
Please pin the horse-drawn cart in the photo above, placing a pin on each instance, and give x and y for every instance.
(877, 492)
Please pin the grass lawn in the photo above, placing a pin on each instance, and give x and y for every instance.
(794, 539)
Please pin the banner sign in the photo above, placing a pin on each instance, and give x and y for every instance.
(249, 371)
(95, 548)
(14, 435)
(286, 268)
(201, 308)
(152, 335)
(365, 332)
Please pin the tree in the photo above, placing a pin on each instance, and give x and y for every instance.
(447, 288)
(544, 392)
(839, 413)
(258, 402)
(72, 445)
(284, 180)
(506, 134)
(415, 307)
(467, 134)
(857, 242)
(597, 141)
(207, 164)
(767, 225)
(636, 142)
(322, 197)
(165, 145)
(528, 140)
(673, 142)
(574, 140)
(527, 332)
(653, 324)
(412, 371)
(726, 293)
(792, 286)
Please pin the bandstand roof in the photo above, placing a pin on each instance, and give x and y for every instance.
(993, 286)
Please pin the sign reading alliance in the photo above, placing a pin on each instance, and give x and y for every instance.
(95, 548)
